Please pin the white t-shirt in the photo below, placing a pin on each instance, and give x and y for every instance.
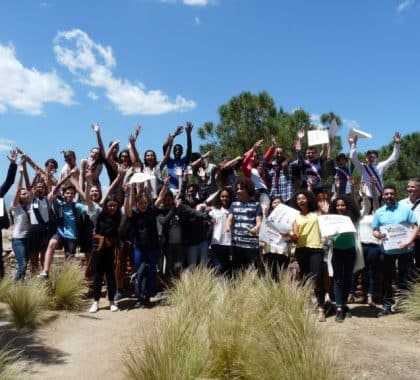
(219, 236)
(407, 202)
(43, 206)
(366, 230)
(21, 222)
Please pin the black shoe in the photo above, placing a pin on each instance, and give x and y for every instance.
(347, 312)
(143, 304)
(339, 316)
(384, 312)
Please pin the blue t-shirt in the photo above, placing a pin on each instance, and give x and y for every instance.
(68, 227)
(396, 214)
(172, 165)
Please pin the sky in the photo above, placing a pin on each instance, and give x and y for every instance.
(67, 64)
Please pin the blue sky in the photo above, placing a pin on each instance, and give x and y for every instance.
(64, 65)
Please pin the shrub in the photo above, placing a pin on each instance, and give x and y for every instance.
(27, 302)
(251, 327)
(410, 304)
(67, 285)
(5, 285)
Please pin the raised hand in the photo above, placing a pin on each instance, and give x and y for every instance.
(300, 134)
(188, 127)
(397, 138)
(138, 130)
(257, 145)
(12, 155)
(352, 140)
(95, 127)
(179, 129)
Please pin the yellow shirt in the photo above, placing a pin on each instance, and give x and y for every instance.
(308, 230)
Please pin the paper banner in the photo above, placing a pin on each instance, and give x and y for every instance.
(332, 224)
(360, 134)
(318, 137)
(141, 177)
(282, 218)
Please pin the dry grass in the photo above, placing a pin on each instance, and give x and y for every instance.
(67, 285)
(5, 285)
(27, 302)
(8, 367)
(250, 328)
(410, 305)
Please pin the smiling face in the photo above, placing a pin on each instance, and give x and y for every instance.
(68, 195)
(413, 189)
(302, 202)
(111, 207)
(94, 194)
(310, 154)
(24, 196)
(389, 196)
(225, 199)
(40, 189)
(341, 207)
(275, 203)
(150, 157)
(142, 203)
(94, 153)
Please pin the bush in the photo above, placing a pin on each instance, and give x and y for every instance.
(252, 327)
(27, 302)
(410, 304)
(67, 285)
(5, 285)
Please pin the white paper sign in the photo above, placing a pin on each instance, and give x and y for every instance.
(141, 177)
(282, 218)
(360, 134)
(333, 129)
(1, 207)
(395, 235)
(332, 224)
(318, 137)
(270, 236)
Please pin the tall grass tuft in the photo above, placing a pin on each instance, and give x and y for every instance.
(248, 328)
(8, 368)
(410, 304)
(67, 284)
(27, 302)
(5, 285)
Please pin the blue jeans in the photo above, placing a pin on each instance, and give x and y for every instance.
(342, 263)
(20, 248)
(150, 257)
(198, 254)
(221, 258)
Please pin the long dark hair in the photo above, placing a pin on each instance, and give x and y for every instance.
(217, 203)
(312, 204)
(352, 210)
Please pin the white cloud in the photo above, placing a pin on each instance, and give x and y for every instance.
(197, 20)
(6, 145)
(93, 64)
(201, 3)
(404, 5)
(27, 89)
(92, 95)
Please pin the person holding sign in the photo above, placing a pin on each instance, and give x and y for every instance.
(395, 216)
(372, 169)
(309, 252)
(344, 255)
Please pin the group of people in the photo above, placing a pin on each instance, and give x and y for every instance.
(157, 218)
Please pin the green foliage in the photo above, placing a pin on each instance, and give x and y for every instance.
(247, 118)
(5, 285)
(27, 302)
(250, 328)
(67, 284)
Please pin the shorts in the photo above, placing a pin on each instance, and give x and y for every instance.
(69, 245)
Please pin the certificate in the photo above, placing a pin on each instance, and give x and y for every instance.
(318, 137)
(332, 224)
(271, 236)
(282, 218)
(395, 235)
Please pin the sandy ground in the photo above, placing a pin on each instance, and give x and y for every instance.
(90, 346)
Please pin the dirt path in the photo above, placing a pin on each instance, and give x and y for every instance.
(86, 346)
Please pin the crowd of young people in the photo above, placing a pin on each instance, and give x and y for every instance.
(156, 219)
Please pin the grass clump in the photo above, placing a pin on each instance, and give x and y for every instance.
(5, 285)
(248, 328)
(67, 285)
(27, 302)
(410, 305)
(8, 369)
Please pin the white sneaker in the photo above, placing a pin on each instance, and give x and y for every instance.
(94, 308)
(113, 307)
(43, 274)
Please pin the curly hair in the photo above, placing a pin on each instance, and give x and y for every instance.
(217, 203)
(246, 184)
(312, 204)
(352, 210)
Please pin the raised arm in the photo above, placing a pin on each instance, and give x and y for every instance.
(97, 131)
(128, 200)
(188, 130)
(162, 192)
(165, 158)
(15, 200)
(109, 157)
(384, 165)
(353, 153)
(11, 173)
(132, 150)
(179, 129)
(53, 193)
(114, 185)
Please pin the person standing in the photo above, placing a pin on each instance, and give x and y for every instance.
(394, 213)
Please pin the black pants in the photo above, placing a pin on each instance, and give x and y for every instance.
(311, 264)
(1, 257)
(103, 264)
(275, 263)
(243, 258)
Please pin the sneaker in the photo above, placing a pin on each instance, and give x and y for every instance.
(113, 307)
(43, 274)
(384, 312)
(347, 312)
(94, 308)
(340, 315)
(118, 295)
